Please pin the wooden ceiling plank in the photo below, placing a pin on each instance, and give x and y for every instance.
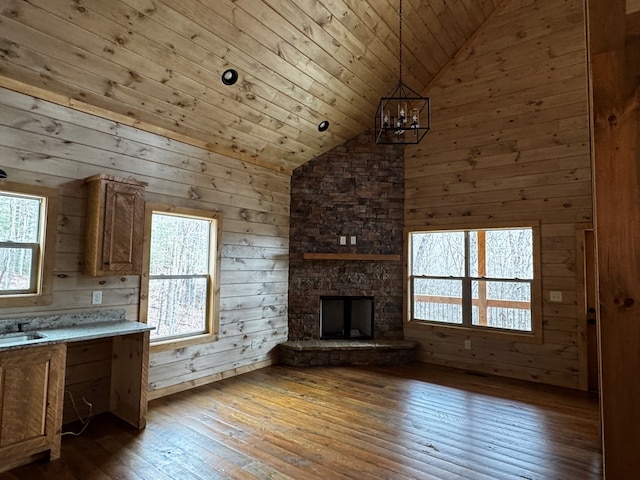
(466, 25)
(270, 64)
(316, 59)
(295, 13)
(126, 79)
(198, 59)
(474, 11)
(300, 62)
(175, 76)
(442, 11)
(436, 27)
(199, 115)
(488, 6)
(267, 37)
(424, 67)
(426, 38)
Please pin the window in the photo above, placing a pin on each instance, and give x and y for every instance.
(485, 278)
(27, 244)
(180, 286)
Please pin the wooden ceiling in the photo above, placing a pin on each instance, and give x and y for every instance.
(157, 64)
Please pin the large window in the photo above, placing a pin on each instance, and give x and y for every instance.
(180, 281)
(27, 241)
(481, 278)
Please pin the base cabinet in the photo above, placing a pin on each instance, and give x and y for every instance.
(31, 392)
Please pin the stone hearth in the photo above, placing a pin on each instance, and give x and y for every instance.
(344, 352)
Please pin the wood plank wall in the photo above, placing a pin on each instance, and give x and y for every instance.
(46, 144)
(510, 142)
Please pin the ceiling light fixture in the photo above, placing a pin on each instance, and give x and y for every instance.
(323, 126)
(229, 76)
(404, 117)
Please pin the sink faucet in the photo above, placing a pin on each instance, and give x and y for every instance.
(21, 326)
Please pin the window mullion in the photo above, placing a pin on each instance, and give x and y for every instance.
(466, 284)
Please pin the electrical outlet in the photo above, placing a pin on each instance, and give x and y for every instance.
(96, 297)
(342, 240)
(353, 240)
(467, 344)
(555, 296)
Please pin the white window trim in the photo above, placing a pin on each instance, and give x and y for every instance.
(213, 304)
(42, 291)
(534, 336)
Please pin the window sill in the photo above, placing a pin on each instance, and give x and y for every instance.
(175, 343)
(478, 332)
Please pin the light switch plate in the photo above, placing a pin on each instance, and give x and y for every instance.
(353, 240)
(342, 240)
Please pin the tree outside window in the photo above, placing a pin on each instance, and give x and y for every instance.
(27, 244)
(181, 278)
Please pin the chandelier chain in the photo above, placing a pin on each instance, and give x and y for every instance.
(400, 39)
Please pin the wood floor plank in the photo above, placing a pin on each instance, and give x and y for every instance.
(409, 422)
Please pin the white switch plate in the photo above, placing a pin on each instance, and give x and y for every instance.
(342, 240)
(353, 239)
(555, 296)
(96, 297)
(467, 344)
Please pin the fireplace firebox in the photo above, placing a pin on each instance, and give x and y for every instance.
(346, 318)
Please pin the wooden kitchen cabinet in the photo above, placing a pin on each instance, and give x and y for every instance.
(31, 394)
(114, 228)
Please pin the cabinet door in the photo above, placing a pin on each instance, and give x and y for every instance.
(31, 383)
(123, 223)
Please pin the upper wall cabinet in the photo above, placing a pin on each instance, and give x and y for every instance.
(115, 214)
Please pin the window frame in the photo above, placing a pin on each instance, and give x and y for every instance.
(467, 327)
(213, 283)
(41, 291)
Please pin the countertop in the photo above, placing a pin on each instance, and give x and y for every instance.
(78, 333)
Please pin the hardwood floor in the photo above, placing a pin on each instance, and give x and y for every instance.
(411, 422)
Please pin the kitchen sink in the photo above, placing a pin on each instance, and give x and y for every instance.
(18, 338)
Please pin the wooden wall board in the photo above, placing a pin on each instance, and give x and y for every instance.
(510, 141)
(52, 145)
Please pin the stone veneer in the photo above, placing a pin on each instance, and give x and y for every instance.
(354, 189)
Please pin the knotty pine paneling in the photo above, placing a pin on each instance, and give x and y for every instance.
(299, 62)
(43, 143)
(510, 142)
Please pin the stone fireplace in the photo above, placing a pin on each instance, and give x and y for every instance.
(355, 190)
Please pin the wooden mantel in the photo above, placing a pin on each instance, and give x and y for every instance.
(376, 257)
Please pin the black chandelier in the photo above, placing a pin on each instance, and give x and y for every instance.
(404, 117)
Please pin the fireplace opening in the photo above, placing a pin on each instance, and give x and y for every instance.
(346, 318)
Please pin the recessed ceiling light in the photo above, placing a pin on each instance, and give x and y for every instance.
(323, 125)
(229, 77)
